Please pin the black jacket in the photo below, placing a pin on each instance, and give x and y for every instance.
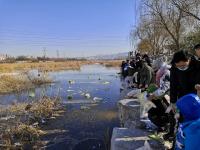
(181, 83)
(195, 74)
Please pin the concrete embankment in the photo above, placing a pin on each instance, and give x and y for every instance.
(132, 134)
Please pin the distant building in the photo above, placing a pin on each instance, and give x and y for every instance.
(30, 57)
(3, 57)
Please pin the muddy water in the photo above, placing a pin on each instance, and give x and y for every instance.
(89, 97)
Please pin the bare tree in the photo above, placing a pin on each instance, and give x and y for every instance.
(151, 35)
(189, 7)
(164, 24)
(168, 17)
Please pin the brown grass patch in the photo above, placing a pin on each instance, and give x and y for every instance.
(11, 84)
(46, 66)
(24, 127)
(111, 63)
(55, 66)
(20, 82)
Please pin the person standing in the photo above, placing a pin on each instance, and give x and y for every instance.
(180, 85)
(195, 61)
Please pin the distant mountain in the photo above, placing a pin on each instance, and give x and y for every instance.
(109, 57)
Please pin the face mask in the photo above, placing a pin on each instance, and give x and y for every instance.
(183, 68)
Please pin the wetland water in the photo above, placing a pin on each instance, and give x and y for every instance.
(89, 97)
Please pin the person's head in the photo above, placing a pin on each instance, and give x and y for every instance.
(139, 64)
(138, 58)
(133, 60)
(197, 50)
(189, 107)
(157, 64)
(138, 55)
(145, 56)
(181, 60)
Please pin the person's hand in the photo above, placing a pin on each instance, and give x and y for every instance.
(171, 107)
(146, 86)
(197, 87)
(177, 116)
(151, 97)
(135, 85)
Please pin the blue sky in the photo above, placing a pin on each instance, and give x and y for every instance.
(73, 27)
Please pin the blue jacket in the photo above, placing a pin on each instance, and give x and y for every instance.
(188, 136)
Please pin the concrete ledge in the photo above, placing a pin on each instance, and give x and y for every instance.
(129, 109)
(126, 139)
(132, 139)
(131, 136)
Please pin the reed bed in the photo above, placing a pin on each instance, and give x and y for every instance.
(22, 81)
(20, 124)
(111, 63)
(54, 66)
(47, 66)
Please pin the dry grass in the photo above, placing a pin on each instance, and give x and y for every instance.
(23, 81)
(25, 126)
(11, 84)
(26, 132)
(42, 109)
(15, 109)
(54, 66)
(36, 111)
(47, 66)
(111, 63)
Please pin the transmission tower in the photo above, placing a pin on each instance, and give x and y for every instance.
(44, 52)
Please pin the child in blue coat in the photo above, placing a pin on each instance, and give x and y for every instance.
(188, 135)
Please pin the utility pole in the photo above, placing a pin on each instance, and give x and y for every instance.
(64, 54)
(44, 52)
(58, 55)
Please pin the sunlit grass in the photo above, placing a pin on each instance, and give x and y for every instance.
(11, 84)
(111, 63)
(22, 81)
(54, 66)
(45, 66)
